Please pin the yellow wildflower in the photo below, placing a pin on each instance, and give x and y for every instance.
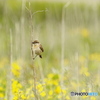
(16, 69)
(32, 95)
(95, 56)
(84, 71)
(50, 75)
(58, 89)
(87, 74)
(19, 85)
(39, 87)
(84, 95)
(85, 33)
(83, 90)
(67, 98)
(28, 97)
(1, 89)
(28, 91)
(49, 97)
(64, 92)
(59, 96)
(1, 95)
(15, 98)
(93, 98)
(16, 86)
(43, 94)
(54, 82)
(23, 96)
(30, 81)
(50, 92)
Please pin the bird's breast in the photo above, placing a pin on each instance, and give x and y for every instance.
(38, 51)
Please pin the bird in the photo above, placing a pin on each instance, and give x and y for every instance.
(37, 49)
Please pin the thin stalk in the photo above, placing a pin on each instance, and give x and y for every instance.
(32, 33)
(10, 73)
(63, 44)
(34, 78)
(77, 70)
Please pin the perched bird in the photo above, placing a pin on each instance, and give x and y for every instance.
(37, 49)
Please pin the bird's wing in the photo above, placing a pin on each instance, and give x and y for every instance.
(41, 48)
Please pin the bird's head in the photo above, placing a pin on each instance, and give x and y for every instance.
(35, 41)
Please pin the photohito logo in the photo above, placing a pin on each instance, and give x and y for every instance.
(84, 94)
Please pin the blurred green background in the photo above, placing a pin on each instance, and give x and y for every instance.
(48, 26)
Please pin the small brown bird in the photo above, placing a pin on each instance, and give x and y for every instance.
(37, 49)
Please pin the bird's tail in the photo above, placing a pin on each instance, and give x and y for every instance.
(40, 56)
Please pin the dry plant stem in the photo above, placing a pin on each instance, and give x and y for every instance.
(32, 32)
(77, 70)
(62, 49)
(33, 68)
(34, 77)
(31, 17)
(62, 45)
(10, 76)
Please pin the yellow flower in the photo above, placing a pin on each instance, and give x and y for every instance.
(83, 90)
(54, 82)
(85, 32)
(84, 95)
(49, 97)
(84, 71)
(16, 69)
(39, 87)
(50, 75)
(23, 96)
(95, 56)
(50, 92)
(48, 82)
(87, 73)
(67, 98)
(93, 98)
(43, 94)
(19, 85)
(30, 81)
(64, 92)
(58, 89)
(1, 89)
(59, 96)
(16, 86)
(28, 91)
(32, 95)
(15, 98)
(28, 97)
(1, 95)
